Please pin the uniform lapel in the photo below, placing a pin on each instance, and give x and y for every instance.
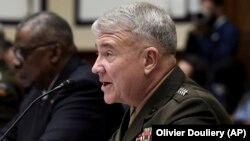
(124, 125)
(161, 96)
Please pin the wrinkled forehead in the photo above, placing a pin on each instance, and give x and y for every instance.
(122, 36)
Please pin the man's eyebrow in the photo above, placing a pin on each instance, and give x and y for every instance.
(106, 45)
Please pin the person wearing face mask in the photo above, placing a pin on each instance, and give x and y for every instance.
(215, 39)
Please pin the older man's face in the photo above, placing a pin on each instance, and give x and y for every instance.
(119, 66)
(33, 57)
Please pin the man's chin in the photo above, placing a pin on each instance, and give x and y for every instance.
(25, 82)
(108, 100)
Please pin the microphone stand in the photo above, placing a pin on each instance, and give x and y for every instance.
(66, 83)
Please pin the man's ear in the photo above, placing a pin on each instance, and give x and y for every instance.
(56, 54)
(151, 56)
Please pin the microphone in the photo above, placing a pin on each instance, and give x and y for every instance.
(64, 85)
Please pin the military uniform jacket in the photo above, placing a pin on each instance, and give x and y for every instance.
(177, 101)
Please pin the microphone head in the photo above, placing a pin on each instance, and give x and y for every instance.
(67, 84)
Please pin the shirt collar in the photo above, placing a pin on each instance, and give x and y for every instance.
(134, 111)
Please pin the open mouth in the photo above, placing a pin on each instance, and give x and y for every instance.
(105, 83)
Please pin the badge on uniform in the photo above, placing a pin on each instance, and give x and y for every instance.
(182, 91)
(146, 135)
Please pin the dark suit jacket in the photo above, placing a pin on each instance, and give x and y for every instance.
(170, 105)
(74, 114)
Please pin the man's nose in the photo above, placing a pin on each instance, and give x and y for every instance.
(16, 63)
(97, 68)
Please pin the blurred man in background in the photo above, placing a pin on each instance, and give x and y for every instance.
(215, 41)
(215, 37)
(46, 56)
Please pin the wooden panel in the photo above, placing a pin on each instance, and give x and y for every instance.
(238, 11)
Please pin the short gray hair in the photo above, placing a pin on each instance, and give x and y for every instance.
(144, 20)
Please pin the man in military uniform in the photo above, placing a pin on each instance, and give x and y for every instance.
(136, 64)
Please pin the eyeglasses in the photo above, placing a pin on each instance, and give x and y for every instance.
(22, 53)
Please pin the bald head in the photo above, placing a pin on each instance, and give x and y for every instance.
(43, 45)
(48, 26)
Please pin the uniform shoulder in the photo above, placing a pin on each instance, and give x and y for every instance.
(189, 90)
